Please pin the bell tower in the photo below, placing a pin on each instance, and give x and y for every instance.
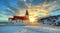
(27, 14)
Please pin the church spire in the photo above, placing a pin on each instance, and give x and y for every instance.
(27, 14)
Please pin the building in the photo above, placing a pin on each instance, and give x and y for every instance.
(23, 18)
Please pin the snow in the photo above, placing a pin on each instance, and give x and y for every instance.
(40, 28)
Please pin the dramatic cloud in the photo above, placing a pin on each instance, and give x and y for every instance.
(36, 8)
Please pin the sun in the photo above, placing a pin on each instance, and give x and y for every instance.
(33, 20)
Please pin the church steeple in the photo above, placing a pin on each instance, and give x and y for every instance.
(27, 14)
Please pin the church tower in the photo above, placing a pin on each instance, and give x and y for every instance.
(27, 14)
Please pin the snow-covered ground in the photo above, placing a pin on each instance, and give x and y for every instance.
(38, 28)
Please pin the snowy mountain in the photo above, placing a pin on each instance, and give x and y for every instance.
(51, 20)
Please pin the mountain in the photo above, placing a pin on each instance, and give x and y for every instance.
(50, 20)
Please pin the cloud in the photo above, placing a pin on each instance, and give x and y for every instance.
(44, 8)
(54, 6)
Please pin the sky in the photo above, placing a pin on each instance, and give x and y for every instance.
(9, 8)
